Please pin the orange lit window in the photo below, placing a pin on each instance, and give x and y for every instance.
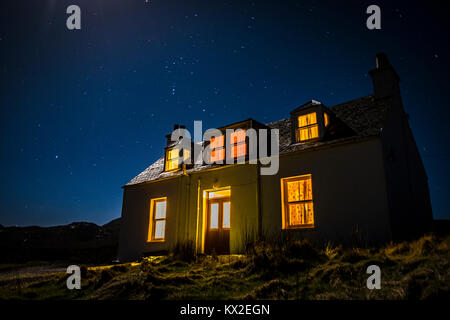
(307, 127)
(327, 121)
(217, 149)
(157, 227)
(297, 199)
(238, 144)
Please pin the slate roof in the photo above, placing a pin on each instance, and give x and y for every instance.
(365, 116)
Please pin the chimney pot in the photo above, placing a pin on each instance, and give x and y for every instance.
(382, 60)
(384, 78)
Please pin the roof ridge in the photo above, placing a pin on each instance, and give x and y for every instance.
(351, 101)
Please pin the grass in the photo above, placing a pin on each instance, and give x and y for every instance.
(294, 270)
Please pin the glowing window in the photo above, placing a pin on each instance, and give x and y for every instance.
(173, 158)
(157, 228)
(297, 199)
(307, 127)
(214, 220)
(238, 144)
(217, 149)
(226, 215)
(326, 120)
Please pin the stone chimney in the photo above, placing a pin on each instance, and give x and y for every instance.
(384, 78)
(169, 136)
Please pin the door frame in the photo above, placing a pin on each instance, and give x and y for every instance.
(217, 239)
(205, 198)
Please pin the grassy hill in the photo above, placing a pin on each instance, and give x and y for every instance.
(417, 269)
(78, 241)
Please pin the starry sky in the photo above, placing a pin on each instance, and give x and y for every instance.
(84, 111)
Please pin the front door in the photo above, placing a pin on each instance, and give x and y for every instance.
(218, 226)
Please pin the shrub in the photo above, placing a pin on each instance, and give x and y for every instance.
(331, 252)
(353, 255)
(105, 276)
(301, 249)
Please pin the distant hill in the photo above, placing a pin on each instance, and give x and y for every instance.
(81, 242)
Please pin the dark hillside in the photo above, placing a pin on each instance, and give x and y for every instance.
(78, 242)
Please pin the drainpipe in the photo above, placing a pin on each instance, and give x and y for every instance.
(187, 204)
(177, 218)
(198, 214)
(258, 199)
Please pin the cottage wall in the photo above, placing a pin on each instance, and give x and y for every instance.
(349, 193)
(136, 218)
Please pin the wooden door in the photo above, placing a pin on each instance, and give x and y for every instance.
(218, 226)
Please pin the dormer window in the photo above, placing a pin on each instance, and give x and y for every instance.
(174, 158)
(307, 127)
(217, 149)
(238, 144)
(311, 122)
(230, 144)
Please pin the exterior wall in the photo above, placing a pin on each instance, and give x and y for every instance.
(242, 179)
(349, 193)
(182, 208)
(136, 218)
(407, 182)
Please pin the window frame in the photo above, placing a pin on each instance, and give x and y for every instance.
(218, 148)
(307, 127)
(166, 159)
(183, 155)
(153, 220)
(285, 203)
(234, 143)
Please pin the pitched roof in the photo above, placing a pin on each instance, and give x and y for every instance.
(365, 116)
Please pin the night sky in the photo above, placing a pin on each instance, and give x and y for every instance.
(84, 111)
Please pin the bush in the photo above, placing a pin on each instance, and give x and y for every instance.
(301, 249)
(331, 252)
(105, 276)
(353, 255)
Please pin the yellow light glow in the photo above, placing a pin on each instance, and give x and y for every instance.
(326, 119)
(297, 204)
(172, 159)
(307, 120)
(217, 142)
(160, 210)
(157, 225)
(226, 215)
(238, 145)
(186, 154)
(237, 136)
(214, 220)
(160, 227)
(307, 127)
(219, 194)
(217, 149)
(218, 154)
(239, 150)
